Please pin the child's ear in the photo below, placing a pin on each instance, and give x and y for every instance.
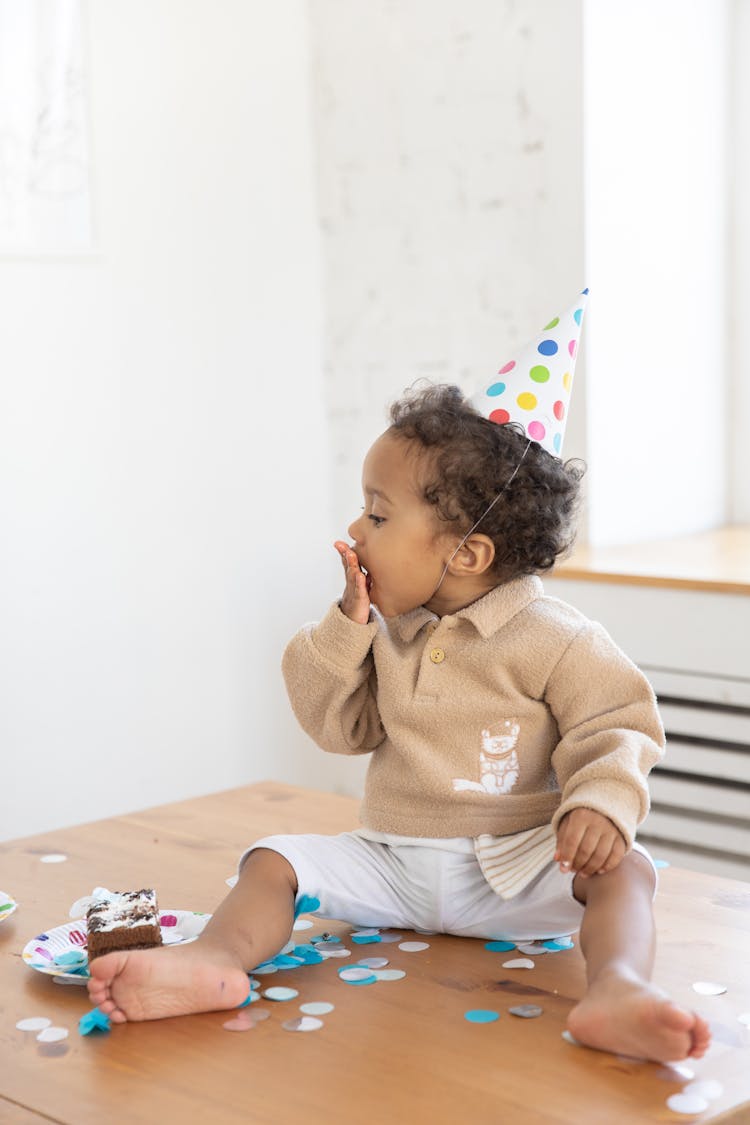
(474, 557)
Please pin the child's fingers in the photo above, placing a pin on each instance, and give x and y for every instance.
(568, 842)
(598, 856)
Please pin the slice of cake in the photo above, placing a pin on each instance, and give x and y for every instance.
(129, 920)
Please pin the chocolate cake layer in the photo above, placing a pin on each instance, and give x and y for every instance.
(130, 920)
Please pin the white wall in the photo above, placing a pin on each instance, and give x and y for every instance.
(656, 100)
(739, 263)
(164, 494)
(449, 147)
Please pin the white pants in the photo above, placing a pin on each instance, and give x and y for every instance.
(424, 888)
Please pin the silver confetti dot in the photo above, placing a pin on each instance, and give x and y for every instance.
(304, 1023)
(526, 1011)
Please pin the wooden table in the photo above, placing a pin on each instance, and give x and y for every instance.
(397, 1052)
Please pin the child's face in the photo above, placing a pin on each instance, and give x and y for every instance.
(397, 538)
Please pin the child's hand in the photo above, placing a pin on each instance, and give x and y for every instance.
(356, 601)
(588, 843)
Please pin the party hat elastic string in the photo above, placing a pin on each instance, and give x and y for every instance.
(486, 512)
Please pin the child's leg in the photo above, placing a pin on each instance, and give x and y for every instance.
(622, 1011)
(251, 925)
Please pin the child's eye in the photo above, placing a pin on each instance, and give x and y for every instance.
(377, 520)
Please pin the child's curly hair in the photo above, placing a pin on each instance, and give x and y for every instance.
(470, 460)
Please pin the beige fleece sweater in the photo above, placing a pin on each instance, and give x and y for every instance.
(494, 720)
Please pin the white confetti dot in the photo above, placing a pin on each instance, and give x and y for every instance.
(70, 980)
(566, 1035)
(264, 970)
(707, 1088)
(355, 974)
(708, 988)
(414, 946)
(374, 962)
(533, 949)
(302, 924)
(280, 993)
(53, 858)
(34, 1023)
(52, 1034)
(257, 1015)
(388, 938)
(519, 963)
(316, 1008)
(304, 1023)
(686, 1103)
(675, 1072)
(365, 933)
(232, 880)
(744, 1018)
(325, 953)
(389, 974)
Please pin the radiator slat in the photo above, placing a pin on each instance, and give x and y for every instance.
(706, 722)
(685, 828)
(701, 796)
(730, 765)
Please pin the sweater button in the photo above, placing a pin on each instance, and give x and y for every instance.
(437, 656)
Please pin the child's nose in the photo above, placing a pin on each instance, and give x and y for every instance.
(355, 528)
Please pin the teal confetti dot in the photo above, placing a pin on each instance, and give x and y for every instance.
(481, 1015)
(558, 944)
(93, 1021)
(500, 946)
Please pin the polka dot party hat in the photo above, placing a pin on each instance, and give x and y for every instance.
(534, 387)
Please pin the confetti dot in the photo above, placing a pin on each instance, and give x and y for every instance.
(239, 1023)
(559, 410)
(558, 944)
(526, 1011)
(53, 858)
(567, 380)
(508, 367)
(414, 946)
(566, 1035)
(526, 400)
(302, 924)
(500, 417)
(687, 1103)
(264, 970)
(557, 442)
(357, 976)
(578, 314)
(481, 1015)
(317, 1008)
(744, 1019)
(257, 1015)
(304, 1023)
(539, 374)
(552, 324)
(366, 939)
(707, 1088)
(389, 937)
(374, 962)
(500, 946)
(572, 348)
(280, 993)
(326, 953)
(34, 1023)
(52, 1034)
(536, 949)
(547, 347)
(496, 389)
(389, 974)
(536, 430)
(708, 988)
(519, 963)
(366, 933)
(661, 863)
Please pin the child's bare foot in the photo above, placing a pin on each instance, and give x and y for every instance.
(629, 1016)
(150, 984)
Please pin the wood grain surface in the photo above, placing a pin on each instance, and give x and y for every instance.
(394, 1052)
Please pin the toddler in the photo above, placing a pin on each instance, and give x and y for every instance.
(510, 742)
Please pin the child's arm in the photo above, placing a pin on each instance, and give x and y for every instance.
(330, 673)
(610, 737)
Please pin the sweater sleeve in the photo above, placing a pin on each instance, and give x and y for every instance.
(330, 679)
(610, 731)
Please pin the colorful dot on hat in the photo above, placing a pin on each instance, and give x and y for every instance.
(526, 400)
(577, 316)
(553, 324)
(572, 348)
(539, 374)
(500, 416)
(547, 347)
(536, 431)
(559, 410)
(557, 442)
(496, 389)
(567, 380)
(508, 367)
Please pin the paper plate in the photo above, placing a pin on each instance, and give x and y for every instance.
(7, 906)
(66, 941)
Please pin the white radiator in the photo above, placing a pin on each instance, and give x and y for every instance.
(700, 793)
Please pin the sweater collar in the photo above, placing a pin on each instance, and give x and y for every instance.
(487, 615)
